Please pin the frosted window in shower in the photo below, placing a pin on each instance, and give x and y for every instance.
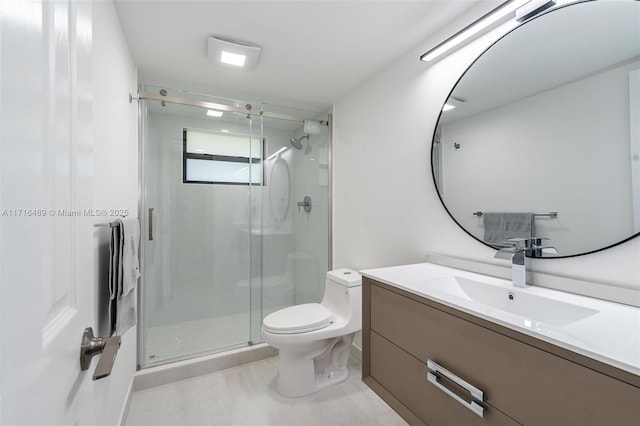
(227, 144)
(222, 172)
(222, 158)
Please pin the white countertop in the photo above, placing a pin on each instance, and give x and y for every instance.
(611, 335)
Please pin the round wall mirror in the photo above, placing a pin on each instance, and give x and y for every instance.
(544, 127)
(280, 189)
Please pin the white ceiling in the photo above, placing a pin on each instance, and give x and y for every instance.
(313, 52)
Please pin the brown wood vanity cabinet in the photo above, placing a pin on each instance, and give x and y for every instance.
(478, 366)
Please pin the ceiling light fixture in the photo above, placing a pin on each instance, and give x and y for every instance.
(214, 113)
(497, 16)
(233, 58)
(233, 53)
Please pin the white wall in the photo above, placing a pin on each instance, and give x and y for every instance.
(386, 209)
(115, 173)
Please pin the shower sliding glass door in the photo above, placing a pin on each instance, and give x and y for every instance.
(223, 242)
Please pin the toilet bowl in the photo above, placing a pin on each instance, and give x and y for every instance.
(314, 339)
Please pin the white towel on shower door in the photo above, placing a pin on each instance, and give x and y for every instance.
(130, 239)
(124, 272)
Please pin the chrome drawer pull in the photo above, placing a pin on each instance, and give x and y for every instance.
(473, 406)
(475, 392)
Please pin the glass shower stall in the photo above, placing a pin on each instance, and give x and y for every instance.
(235, 219)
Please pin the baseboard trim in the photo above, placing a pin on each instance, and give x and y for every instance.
(124, 413)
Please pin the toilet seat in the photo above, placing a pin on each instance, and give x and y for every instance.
(298, 319)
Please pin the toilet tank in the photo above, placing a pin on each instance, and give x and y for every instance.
(343, 293)
(345, 277)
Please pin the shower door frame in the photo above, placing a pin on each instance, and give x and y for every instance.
(247, 110)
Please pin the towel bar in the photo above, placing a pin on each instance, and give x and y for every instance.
(106, 225)
(551, 215)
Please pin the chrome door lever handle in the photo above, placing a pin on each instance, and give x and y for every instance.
(92, 346)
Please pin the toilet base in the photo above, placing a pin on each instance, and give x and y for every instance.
(320, 366)
(333, 378)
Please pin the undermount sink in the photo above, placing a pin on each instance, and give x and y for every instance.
(519, 302)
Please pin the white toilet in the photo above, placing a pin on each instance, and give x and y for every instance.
(314, 339)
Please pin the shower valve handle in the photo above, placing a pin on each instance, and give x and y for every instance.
(305, 203)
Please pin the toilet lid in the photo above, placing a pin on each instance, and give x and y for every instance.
(298, 319)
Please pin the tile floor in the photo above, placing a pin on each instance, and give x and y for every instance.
(246, 395)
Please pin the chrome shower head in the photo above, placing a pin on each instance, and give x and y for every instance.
(297, 142)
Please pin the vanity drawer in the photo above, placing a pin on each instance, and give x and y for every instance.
(524, 382)
(406, 378)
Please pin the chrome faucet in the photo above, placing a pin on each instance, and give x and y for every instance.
(523, 249)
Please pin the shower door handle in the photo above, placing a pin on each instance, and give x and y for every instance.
(150, 220)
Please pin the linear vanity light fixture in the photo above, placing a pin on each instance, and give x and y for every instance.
(532, 8)
(497, 16)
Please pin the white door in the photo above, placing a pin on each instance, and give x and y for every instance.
(45, 187)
